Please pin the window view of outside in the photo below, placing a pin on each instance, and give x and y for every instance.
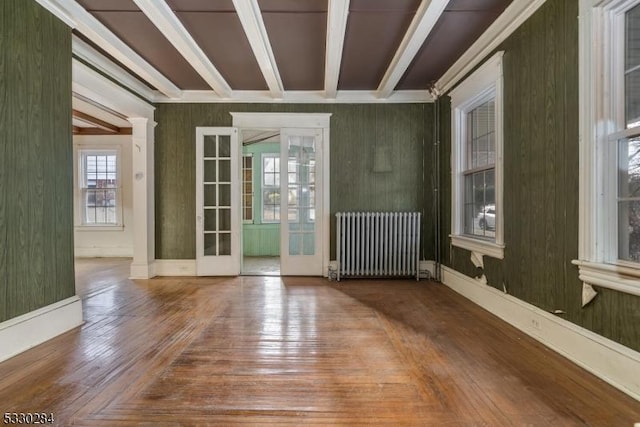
(100, 189)
(271, 188)
(629, 148)
(479, 172)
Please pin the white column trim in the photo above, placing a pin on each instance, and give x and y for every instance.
(423, 22)
(338, 13)
(142, 266)
(253, 25)
(161, 15)
(33, 328)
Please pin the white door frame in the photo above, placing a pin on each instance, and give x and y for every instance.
(298, 120)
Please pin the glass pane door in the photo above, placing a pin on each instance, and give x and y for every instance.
(301, 253)
(216, 225)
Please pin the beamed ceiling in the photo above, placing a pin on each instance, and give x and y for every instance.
(278, 50)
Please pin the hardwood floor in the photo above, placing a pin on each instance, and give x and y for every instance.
(296, 351)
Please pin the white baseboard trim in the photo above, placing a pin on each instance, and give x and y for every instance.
(143, 271)
(601, 356)
(175, 267)
(429, 266)
(33, 328)
(104, 252)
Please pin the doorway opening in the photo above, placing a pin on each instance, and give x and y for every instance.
(260, 202)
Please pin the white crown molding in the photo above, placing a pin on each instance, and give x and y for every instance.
(161, 15)
(91, 85)
(601, 356)
(300, 97)
(95, 58)
(338, 13)
(60, 12)
(508, 22)
(110, 43)
(33, 328)
(420, 28)
(251, 19)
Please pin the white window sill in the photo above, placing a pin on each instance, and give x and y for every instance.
(610, 276)
(483, 247)
(99, 227)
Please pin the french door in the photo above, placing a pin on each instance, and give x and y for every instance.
(301, 202)
(217, 202)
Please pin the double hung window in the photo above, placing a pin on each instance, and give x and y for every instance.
(609, 247)
(476, 149)
(100, 188)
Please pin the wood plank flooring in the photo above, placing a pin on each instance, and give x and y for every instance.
(297, 351)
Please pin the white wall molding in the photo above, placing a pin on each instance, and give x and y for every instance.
(604, 358)
(423, 22)
(300, 97)
(60, 12)
(26, 331)
(91, 85)
(175, 267)
(93, 57)
(506, 24)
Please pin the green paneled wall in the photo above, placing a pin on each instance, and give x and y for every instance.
(36, 171)
(355, 130)
(541, 179)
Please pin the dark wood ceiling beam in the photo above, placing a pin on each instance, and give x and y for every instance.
(101, 124)
(97, 131)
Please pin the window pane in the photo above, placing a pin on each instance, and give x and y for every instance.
(210, 244)
(629, 230)
(479, 215)
(100, 192)
(632, 57)
(210, 146)
(210, 220)
(224, 220)
(224, 146)
(629, 168)
(210, 171)
(225, 170)
(210, 195)
(632, 101)
(225, 195)
(481, 136)
(225, 244)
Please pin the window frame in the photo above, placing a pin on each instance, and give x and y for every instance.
(602, 124)
(251, 196)
(481, 86)
(263, 186)
(81, 185)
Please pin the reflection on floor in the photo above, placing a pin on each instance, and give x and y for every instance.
(261, 266)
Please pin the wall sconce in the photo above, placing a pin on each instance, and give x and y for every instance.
(381, 159)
